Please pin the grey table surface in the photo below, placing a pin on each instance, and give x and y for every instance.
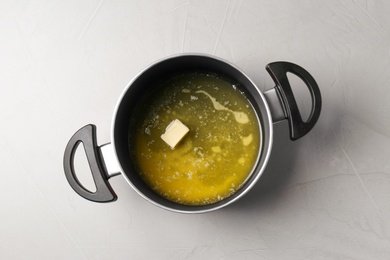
(64, 64)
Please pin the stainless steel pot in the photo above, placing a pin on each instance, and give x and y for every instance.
(113, 159)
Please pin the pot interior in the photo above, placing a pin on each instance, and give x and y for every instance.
(145, 83)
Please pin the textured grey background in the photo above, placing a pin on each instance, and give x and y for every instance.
(63, 64)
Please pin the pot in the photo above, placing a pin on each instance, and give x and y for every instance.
(113, 159)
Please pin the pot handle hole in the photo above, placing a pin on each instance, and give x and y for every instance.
(284, 94)
(87, 136)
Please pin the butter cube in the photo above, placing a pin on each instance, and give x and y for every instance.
(174, 132)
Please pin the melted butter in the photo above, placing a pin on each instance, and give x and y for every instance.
(215, 158)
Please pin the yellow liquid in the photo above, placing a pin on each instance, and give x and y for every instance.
(215, 158)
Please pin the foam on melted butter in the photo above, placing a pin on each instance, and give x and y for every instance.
(240, 117)
(215, 158)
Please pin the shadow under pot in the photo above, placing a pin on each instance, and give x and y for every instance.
(192, 133)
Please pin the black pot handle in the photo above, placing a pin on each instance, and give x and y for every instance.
(278, 71)
(87, 136)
